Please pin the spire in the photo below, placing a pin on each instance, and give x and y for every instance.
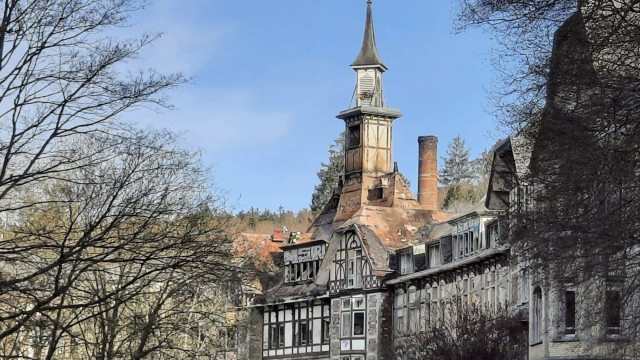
(368, 55)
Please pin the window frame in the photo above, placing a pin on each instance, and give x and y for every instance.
(613, 331)
(354, 136)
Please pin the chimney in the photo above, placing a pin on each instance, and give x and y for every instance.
(428, 172)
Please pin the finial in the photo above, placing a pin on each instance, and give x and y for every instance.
(369, 2)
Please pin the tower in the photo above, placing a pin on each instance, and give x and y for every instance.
(368, 146)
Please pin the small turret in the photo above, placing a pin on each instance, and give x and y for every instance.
(369, 67)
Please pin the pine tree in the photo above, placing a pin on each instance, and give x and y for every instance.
(457, 167)
(329, 175)
(457, 176)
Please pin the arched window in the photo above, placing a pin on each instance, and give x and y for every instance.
(399, 308)
(354, 265)
(536, 316)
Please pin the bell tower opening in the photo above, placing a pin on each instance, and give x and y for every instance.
(369, 123)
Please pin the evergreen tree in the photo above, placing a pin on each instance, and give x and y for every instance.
(329, 174)
(457, 167)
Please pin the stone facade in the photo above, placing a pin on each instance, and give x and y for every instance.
(377, 265)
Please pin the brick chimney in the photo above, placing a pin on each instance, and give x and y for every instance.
(428, 172)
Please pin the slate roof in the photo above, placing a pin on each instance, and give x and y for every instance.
(510, 165)
(369, 52)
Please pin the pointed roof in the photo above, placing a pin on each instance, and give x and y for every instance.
(368, 55)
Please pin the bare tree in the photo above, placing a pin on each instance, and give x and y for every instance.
(468, 332)
(110, 240)
(584, 134)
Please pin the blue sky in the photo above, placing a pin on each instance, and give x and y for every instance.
(269, 76)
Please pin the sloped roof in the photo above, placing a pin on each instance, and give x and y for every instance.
(368, 55)
(510, 166)
(283, 293)
(521, 146)
(478, 208)
(263, 255)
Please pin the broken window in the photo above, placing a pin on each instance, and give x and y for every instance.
(613, 310)
(352, 317)
(570, 312)
(406, 263)
(326, 328)
(358, 323)
(375, 194)
(434, 256)
(303, 332)
(280, 335)
(273, 336)
(353, 136)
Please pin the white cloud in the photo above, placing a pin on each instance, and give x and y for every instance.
(219, 119)
(188, 40)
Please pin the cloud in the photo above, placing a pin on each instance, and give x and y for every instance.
(221, 119)
(189, 40)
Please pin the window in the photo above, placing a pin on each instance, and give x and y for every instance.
(536, 316)
(433, 307)
(523, 286)
(303, 326)
(346, 324)
(352, 317)
(613, 310)
(376, 193)
(354, 136)
(276, 336)
(400, 310)
(570, 312)
(406, 263)
(434, 256)
(326, 328)
(358, 323)
(426, 308)
(489, 291)
(301, 271)
(354, 267)
(466, 244)
(413, 299)
(492, 234)
(293, 325)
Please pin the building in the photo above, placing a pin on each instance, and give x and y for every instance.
(378, 265)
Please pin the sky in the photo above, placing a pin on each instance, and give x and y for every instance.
(268, 78)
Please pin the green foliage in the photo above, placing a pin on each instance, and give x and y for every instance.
(458, 175)
(329, 175)
(264, 221)
(461, 196)
(457, 166)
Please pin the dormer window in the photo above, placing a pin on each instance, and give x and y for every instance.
(434, 256)
(406, 263)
